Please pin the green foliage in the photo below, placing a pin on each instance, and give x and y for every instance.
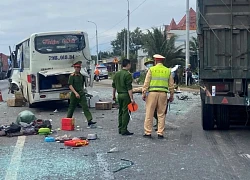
(156, 42)
(135, 41)
(142, 77)
(194, 46)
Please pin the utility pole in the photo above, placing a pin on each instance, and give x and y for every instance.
(128, 33)
(97, 58)
(187, 38)
(124, 46)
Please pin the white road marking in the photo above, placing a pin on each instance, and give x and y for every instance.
(15, 161)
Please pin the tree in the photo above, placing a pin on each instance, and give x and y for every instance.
(156, 42)
(194, 46)
(135, 42)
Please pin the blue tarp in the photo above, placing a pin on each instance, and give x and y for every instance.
(136, 74)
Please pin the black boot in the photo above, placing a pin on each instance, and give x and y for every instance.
(91, 122)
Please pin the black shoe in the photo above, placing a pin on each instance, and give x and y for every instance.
(91, 122)
(127, 133)
(160, 136)
(119, 132)
(147, 135)
(156, 129)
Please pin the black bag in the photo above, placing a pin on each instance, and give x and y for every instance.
(42, 124)
(13, 128)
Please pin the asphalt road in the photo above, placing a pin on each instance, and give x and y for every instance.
(187, 153)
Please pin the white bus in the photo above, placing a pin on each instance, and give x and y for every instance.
(43, 62)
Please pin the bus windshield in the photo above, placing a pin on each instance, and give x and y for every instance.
(59, 43)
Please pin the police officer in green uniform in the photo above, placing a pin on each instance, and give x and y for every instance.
(122, 83)
(78, 96)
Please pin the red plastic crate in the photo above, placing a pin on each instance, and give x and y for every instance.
(68, 124)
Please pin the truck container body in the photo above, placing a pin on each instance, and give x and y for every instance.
(4, 67)
(223, 28)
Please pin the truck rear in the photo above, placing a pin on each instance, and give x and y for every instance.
(223, 28)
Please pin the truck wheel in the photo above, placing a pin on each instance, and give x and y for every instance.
(207, 116)
(222, 119)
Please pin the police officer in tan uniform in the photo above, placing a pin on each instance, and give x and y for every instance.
(158, 82)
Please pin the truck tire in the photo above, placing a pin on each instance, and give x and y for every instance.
(207, 116)
(222, 120)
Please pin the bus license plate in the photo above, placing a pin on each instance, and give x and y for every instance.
(64, 95)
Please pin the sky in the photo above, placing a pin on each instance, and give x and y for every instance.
(20, 18)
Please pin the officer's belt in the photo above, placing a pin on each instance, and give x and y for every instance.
(158, 91)
(122, 92)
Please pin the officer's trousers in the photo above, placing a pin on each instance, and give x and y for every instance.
(158, 101)
(83, 102)
(123, 101)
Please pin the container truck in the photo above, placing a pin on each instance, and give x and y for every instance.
(223, 28)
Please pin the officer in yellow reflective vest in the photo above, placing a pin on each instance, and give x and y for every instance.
(158, 82)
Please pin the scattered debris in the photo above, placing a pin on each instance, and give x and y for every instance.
(99, 117)
(92, 136)
(196, 93)
(63, 138)
(124, 167)
(103, 105)
(49, 139)
(25, 116)
(113, 150)
(247, 156)
(184, 97)
(92, 126)
(76, 143)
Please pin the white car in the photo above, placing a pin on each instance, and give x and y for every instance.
(103, 71)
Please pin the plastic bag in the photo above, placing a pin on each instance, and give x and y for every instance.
(26, 117)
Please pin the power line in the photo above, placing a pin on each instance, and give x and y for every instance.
(124, 17)
(138, 6)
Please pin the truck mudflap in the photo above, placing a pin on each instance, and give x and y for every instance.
(224, 100)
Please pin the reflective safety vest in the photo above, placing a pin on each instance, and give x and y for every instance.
(159, 79)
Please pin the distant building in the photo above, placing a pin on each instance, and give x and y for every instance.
(180, 29)
(141, 56)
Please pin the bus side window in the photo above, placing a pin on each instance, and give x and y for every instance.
(26, 54)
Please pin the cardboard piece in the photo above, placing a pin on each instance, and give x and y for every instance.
(18, 95)
(103, 105)
(15, 102)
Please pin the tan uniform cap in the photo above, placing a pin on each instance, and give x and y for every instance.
(158, 57)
